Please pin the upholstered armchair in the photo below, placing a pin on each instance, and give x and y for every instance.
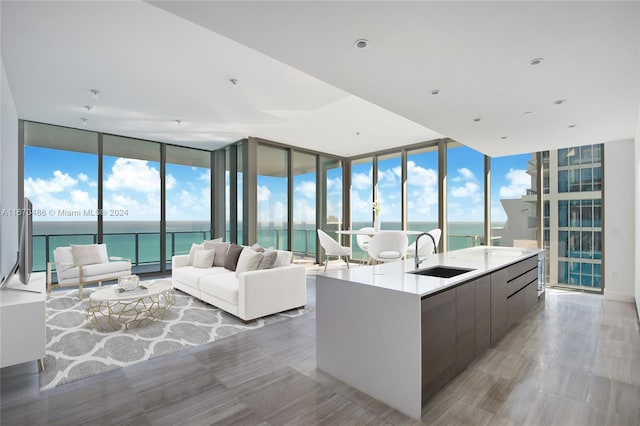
(84, 264)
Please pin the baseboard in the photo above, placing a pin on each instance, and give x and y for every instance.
(618, 296)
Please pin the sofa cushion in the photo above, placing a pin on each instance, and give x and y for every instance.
(232, 256)
(203, 258)
(88, 271)
(63, 257)
(223, 286)
(248, 260)
(221, 250)
(215, 240)
(86, 254)
(190, 275)
(269, 259)
(257, 247)
(194, 247)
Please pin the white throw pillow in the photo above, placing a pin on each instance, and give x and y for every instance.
(284, 258)
(88, 254)
(194, 247)
(248, 260)
(203, 258)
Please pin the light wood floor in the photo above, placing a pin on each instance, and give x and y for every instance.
(574, 360)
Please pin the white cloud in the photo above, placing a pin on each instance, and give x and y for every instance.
(307, 189)
(361, 181)
(137, 175)
(335, 183)
(58, 183)
(467, 190)
(466, 173)
(519, 182)
(82, 177)
(263, 193)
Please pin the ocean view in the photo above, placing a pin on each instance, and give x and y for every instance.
(140, 240)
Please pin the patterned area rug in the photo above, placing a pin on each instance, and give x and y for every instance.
(75, 349)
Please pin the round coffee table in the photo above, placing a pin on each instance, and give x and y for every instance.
(112, 309)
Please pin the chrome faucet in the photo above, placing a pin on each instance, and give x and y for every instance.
(435, 248)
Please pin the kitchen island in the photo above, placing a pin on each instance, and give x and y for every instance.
(400, 336)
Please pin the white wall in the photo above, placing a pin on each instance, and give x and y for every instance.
(8, 176)
(619, 217)
(637, 214)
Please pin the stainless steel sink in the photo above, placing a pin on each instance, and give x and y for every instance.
(442, 271)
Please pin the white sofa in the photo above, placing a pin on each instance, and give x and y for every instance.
(89, 265)
(249, 295)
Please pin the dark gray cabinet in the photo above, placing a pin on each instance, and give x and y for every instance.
(483, 313)
(499, 322)
(465, 325)
(438, 341)
(460, 323)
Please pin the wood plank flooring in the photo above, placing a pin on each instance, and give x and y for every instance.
(573, 360)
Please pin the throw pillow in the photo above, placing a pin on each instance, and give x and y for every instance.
(215, 240)
(232, 256)
(257, 247)
(248, 260)
(88, 254)
(268, 259)
(221, 249)
(203, 258)
(194, 247)
(284, 258)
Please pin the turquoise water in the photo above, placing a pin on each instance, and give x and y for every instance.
(140, 241)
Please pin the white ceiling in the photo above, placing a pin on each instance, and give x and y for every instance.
(302, 82)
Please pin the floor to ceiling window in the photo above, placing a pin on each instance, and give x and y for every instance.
(60, 179)
(304, 204)
(131, 200)
(388, 191)
(422, 190)
(272, 194)
(188, 199)
(361, 198)
(514, 201)
(465, 197)
(573, 216)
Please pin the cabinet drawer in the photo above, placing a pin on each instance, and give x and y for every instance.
(523, 280)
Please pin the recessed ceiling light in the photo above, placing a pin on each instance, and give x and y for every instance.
(560, 101)
(84, 121)
(179, 123)
(95, 93)
(536, 61)
(361, 43)
(528, 112)
(504, 137)
(477, 119)
(357, 133)
(571, 126)
(435, 92)
(234, 81)
(88, 107)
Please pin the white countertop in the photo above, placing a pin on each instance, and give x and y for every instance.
(396, 276)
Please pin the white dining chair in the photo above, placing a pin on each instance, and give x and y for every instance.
(388, 246)
(363, 241)
(426, 246)
(333, 248)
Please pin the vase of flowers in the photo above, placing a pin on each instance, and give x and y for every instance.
(376, 216)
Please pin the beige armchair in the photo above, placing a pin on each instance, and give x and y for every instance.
(83, 264)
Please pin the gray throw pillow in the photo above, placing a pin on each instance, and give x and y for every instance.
(268, 260)
(221, 249)
(232, 256)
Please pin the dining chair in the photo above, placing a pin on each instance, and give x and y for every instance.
(388, 246)
(363, 241)
(426, 246)
(333, 248)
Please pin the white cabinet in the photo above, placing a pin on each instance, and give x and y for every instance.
(22, 321)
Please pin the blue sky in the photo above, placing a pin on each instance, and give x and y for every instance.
(57, 180)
